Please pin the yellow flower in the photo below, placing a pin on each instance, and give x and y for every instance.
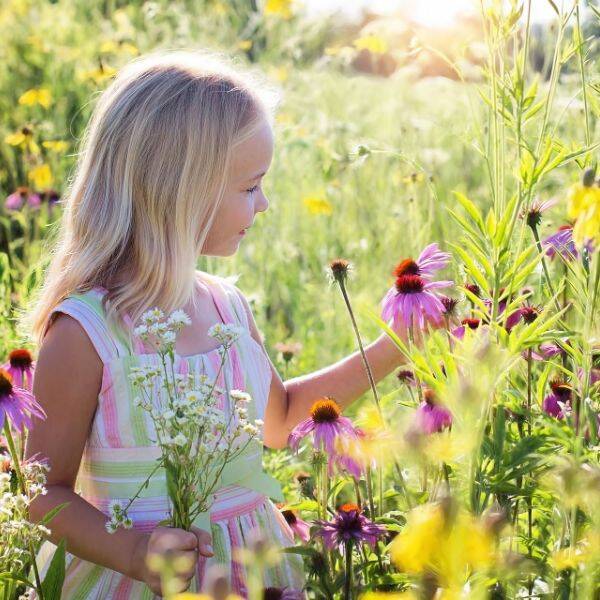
(389, 596)
(449, 546)
(41, 176)
(24, 139)
(220, 8)
(39, 96)
(279, 73)
(280, 8)
(373, 43)
(583, 204)
(245, 44)
(318, 205)
(56, 145)
(108, 47)
(98, 75)
(447, 446)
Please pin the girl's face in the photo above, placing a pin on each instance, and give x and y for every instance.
(243, 196)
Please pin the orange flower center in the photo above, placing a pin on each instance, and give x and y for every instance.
(406, 267)
(21, 357)
(349, 507)
(326, 410)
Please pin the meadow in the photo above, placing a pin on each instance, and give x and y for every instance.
(479, 459)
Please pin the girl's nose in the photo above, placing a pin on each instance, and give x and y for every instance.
(262, 203)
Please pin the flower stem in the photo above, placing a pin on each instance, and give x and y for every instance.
(348, 570)
(15, 457)
(360, 346)
(536, 235)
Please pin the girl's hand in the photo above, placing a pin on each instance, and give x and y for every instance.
(170, 543)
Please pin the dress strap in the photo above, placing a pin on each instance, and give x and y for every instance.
(229, 301)
(87, 309)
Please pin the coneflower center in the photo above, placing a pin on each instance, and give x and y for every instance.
(325, 411)
(471, 323)
(429, 397)
(410, 284)
(406, 267)
(349, 507)
(289, 517)
(560, 388)
(529, 314)
(20, 358)
(6, 386)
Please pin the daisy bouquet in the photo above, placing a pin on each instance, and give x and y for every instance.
(200, 428)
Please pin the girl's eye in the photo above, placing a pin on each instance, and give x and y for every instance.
(252, 189)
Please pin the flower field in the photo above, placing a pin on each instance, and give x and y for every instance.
(457, 210)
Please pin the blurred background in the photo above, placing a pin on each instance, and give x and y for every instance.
(381, 120)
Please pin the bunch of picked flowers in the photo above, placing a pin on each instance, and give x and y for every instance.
(197, 437)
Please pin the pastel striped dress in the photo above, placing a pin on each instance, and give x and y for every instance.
(119, 453)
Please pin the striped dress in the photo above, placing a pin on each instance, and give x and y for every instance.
(120, 453)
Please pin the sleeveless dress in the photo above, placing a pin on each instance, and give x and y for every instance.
(119, 453)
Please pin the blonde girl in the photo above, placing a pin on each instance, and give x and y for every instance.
(171, 168)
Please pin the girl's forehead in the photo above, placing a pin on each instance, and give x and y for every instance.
(253, 156)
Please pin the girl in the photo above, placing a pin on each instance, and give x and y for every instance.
(171, 169)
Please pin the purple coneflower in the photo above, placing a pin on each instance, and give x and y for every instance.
(286, 593)
(21, 367)
(547, 350)
(407, 377)
(16, 404)
(326, 423)
(21, 195)
(412, 300)
(450, 305)
(349, 525)
(534, 214)
(300, 527)
(527, 314)
(468, 323)
(431, 416)
(561, 242)
(558, 403)
(430, 261)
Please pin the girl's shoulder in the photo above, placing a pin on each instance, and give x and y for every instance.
(231, 293)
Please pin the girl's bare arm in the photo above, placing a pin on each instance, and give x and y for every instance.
(346, 380)
(67, 383)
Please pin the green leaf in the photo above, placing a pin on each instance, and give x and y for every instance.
(55, 576)
(52, 513)
(473, 211)
(472, 268)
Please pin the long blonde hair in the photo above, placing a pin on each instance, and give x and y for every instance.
(150, 177)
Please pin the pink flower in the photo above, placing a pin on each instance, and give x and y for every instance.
(431, 260)
(467, 323)
(561, 242)
(557, 404)
(327, 424)
(21, 367)
(431, 417)
(412, 300)
(21, 195)
(349, 525)
(300, 528)
(286, 593)
(16, 404)
(527, 314)
(534, 214)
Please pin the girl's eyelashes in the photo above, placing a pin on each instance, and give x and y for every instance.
(252, 189)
